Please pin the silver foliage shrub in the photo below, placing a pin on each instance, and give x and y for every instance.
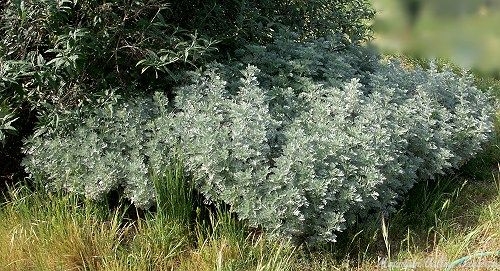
(105, 152)
(296, 140)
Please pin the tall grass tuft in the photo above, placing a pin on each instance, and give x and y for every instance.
(163, 234)
(174, 194)
(44, 231)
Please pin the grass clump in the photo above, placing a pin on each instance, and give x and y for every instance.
(49, 231)
(42, 231)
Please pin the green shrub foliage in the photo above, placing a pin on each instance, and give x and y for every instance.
(6, 120)
(299, 138)
(259, 21)
(57, 55)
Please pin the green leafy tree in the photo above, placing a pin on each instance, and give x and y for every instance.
(56, 55)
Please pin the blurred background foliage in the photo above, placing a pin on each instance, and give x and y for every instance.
(465, 32)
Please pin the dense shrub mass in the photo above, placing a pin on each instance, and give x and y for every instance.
(238, 22)
(300, 138)
(58, 56)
